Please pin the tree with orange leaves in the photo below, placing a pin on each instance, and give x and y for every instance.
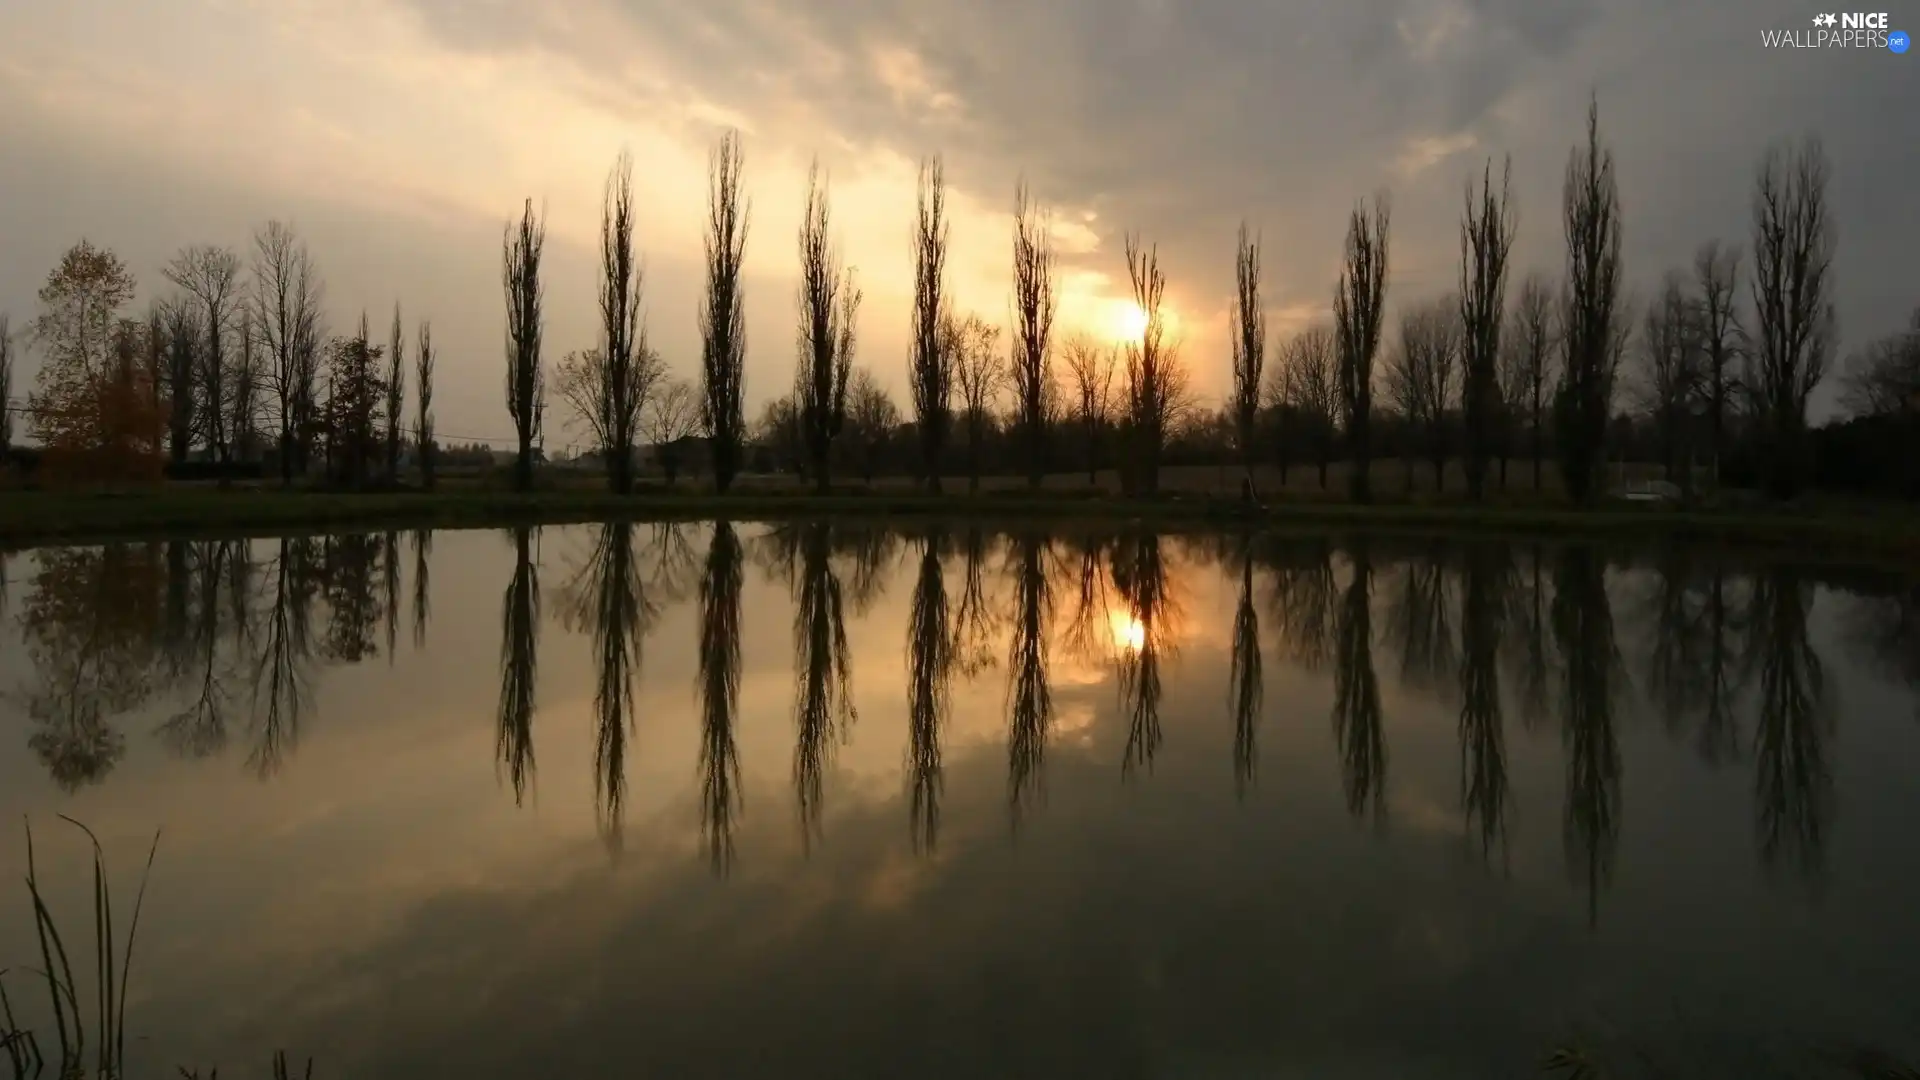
(93, 405)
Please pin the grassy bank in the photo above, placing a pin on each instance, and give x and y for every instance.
(47, 517)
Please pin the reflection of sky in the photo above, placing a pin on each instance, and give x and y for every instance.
(384, 906)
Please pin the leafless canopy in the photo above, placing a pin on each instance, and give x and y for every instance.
(423, 424)
(1424, 374)
(1034, 304)
(829, 313)
(1591, 316)
(1090, 368)
(209, 276)
(723, 320)
(1672, 369)
(616, 388)
(1716, 282)
(1249, 344)
(1359, 304)
(286, 307)
(1533, 340)
(526, 381)
(671, 417)
(974, 348)
(1308, 383)
(396, 392)
(929, 369)
(1486, 238)
(1794, 323)
(1883, 379)
(1157, 393)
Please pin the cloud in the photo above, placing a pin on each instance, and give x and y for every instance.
(1176, 120)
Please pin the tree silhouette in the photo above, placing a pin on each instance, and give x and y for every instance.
(1029, 697)
(823, 707)
(929, 674)
(1583, 630)
(519, 668)
(1245, 685)
(1356, 691)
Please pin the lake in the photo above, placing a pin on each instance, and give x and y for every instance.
(829, 799)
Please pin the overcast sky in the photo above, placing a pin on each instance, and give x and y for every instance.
(399, 135)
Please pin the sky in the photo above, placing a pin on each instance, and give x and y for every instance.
(398, 136)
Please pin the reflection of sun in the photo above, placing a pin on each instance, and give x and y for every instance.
(1128, 633)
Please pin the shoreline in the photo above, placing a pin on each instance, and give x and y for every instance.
(34, 518)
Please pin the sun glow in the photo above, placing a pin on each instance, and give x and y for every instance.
(1128, 633)
(1129, 321)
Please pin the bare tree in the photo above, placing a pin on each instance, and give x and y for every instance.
(6, 381)
(1423, 375)
(1716, 277)
(1090, 367)
(671, 418)
(1534, 338)
(1671, 374)
(1359, 304)
(1034, 304)
(585, 382)
(209, 275)
(929, 369)
(180, 375)
(723, 320)
(1486, 239)
(526, 381)
(1592, 316)
(1249, 347)
(423, 398)
(615, 388)
(829, 312)
(246, 388)
(1157, 394)
(396, 394)
(1313, 385)
(1513, 389)
(286, 305)
(1794, 322)
(977, 372)
(1883, 379)
(871, 417)
(1277, 398)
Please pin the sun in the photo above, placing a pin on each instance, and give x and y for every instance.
(1128, 633)
(1129, 321)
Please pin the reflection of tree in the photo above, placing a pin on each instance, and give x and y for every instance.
(1029, 699)
(422, 579)
(1793, 783)
(1245, 686)
(1692, 669)
(1420, 625)
(1583, 631)
(282, 666)
(1356, 691)
(720, 587)
(929, 670)
(975, 622)
(1140, 578)
(1529, 643)
(390, 577)
(348, 564)
(1302, 598)
(606, 597)
(207, 668)
(1483, 756)
(89, 623)
(824, 701)
(871, 550)
(1089, 632)
(519, 668)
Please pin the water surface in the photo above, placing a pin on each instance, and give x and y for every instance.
(820, 799)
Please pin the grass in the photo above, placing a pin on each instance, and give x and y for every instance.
(1853, 532)
(73, 1031)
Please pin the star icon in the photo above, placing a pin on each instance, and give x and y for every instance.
(1830, 19)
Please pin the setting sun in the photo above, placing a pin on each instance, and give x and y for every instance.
(1129, 321)
(1128, 633)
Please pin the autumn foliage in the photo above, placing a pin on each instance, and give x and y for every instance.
(96, 405)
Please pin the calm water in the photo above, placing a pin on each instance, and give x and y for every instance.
(817, 800)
